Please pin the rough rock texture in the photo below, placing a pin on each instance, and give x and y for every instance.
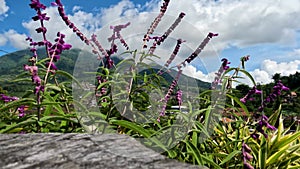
(76, 151)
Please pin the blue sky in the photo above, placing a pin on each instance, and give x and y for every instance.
(268, 31)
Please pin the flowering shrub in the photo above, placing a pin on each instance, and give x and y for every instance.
(124, 105)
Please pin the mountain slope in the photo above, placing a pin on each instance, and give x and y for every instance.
(11, 65)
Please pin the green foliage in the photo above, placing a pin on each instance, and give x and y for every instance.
(198, 135)
(54, 114)
(220, 148)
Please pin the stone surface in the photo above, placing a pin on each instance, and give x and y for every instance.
(77, 151)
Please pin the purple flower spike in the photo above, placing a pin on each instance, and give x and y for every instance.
(66, 46)
(6, 99)
(71, 25)
(21, 110)
(179, 97)
(41, 30)
(255, 136)
(36, 79)
(248, 166)
(156, 21)
(248, 96)
(39, 89)
(35, 4)
(200, 47)
(263, 123)
(159, 40)
(246, 150)
(225, 64)
(271, 127)
(276, 92)
(54, 4)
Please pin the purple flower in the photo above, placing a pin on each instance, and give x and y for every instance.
(39, 89)
(170, 90)
(41, 30)
(211, 35)
(52, 66)
(200, 47)
(8, 98)
(21, 110)
(36, 79)
(270, 126)
(260, 127)
(41, 16)
(159, 40)
(248, 166)
(245, 58)
(221, 70)
(56, 58)
(179, 97)
(225, 64)
(175, 51)
(246, 150)
(276, 92)
(66, 46)
(248, 96)
(35, 4)
(117, 35)
(156, 21)
(58, 2)
(71, 25)
(254, 135)
(99, 46)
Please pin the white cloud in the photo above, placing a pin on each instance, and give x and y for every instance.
(13, 38)
(243, 23)
(269, 68)
(284, 68)
(76, 8)
(16, 40)
(84, 21)
(263, 75)
(88, 23)
(260, 76)
(193, 72)
(3, 8)
(123, 8)
(240, 23)
(3, 40)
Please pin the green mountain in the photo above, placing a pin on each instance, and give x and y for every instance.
(11, 65)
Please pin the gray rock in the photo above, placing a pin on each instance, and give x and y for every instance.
(77, 151)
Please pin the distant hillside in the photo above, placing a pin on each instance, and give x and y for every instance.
(12, 64)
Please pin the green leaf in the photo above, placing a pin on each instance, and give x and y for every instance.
(138, 129)
(237, 100)
(57, 118)
(275, 116)
(197, 155)
(172, 153)
(195, 151)
(68, 75)
(230, 156)
(276, 156)
(286, 140)
(21, 80)
(97, 114)
(132, 126)
(11, 128)
(263, 153)
(17, 103)
(53, 87)
(249, 75)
